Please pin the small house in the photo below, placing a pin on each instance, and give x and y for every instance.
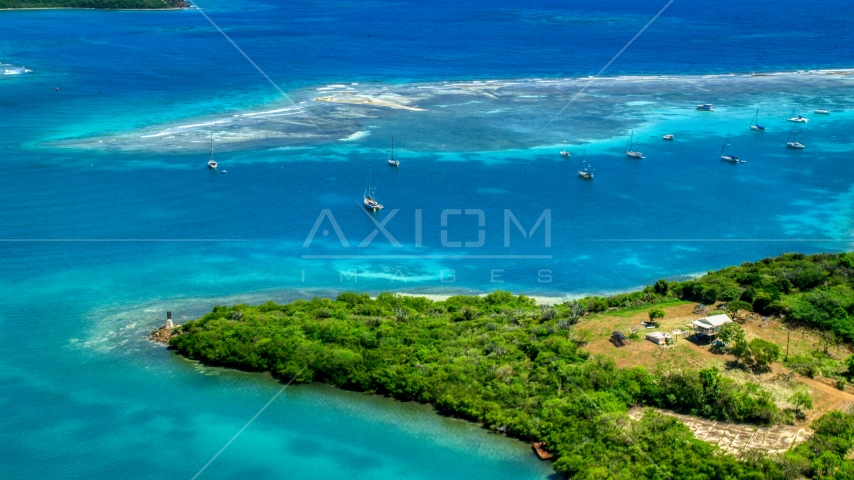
(709, 327)
(659, 338)
(619, 339)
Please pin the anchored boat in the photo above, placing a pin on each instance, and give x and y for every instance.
(706, 107)
(212, 163)
(796, 117)
(368, 198)
(754, 124)
(729, 158)
(794, 140)
(669, 136)
(391, 161)
(586, 172)
(633, 153)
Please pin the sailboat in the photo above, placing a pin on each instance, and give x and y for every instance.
(729, 158)
(796, 117)
(794, 140)
(212, 163)
(754, 124)
(821, 111)
(391, 161)
(368, 197)
(632, 153)
(669, 136)
(587, 172)
(564, 153)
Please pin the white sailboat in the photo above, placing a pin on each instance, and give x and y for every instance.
(212, 163)
(368, 198)
(754, 124)
(729, 158)
(586, 172)
(821, 111)
(565, 154)
(633, 153)
(796, 117)
(391, 161)
(669, 136)
(794, 140)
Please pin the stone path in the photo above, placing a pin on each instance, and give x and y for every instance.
(735, 438)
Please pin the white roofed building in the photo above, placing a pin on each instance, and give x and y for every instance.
(711, 325)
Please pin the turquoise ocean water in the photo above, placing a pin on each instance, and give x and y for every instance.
(110, 216)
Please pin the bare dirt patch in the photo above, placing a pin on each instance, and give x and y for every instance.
(686, 354)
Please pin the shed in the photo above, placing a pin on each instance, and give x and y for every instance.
(659, 338)
(619, 339)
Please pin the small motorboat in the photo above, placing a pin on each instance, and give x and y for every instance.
(225, 171)
(669, 136)
(564, 153)
(540, 450)
(706, 107)
(821, 111)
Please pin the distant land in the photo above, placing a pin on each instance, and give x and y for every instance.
(95, 4)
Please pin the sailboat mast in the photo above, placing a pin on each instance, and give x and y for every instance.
(392, 147)
(725, 142)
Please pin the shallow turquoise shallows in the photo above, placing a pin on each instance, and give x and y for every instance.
(109, 216)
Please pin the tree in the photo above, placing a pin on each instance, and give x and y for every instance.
(654, 315)
(850, 364)
(827, 341)
(802, 400)
(661, 287)
(731, 333)
(758, 354)
(735, 305)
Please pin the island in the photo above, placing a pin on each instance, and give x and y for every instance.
(94, 4)
(606, 387)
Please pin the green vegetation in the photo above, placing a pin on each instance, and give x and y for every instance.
(816, 291)
(824, 455)
(654, 315)
(757, 354)
(508, 364)
(97, 4)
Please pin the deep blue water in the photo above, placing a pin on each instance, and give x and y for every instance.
(152, 229)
